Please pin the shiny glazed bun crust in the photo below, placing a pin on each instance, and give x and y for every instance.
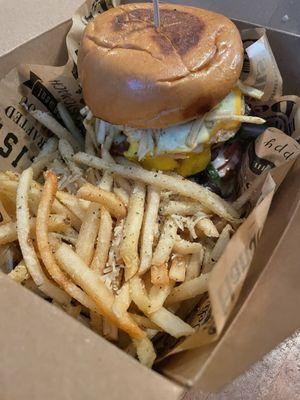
(135, 75)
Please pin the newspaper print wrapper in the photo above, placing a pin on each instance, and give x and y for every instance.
(264, 167)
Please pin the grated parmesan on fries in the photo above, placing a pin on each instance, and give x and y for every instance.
(127, 244)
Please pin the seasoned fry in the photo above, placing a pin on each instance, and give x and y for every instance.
(183, 208)
(103, 242)
(67, 153)
(160, 275)
(250, 91)
(4, 216)
(145, 351)
(206, 226)
(158, 295)
(148, 229)
(8, 232)
(77, 206)
(178, 269)
(88, 233)
(122, 301)
(26, 245)
(185, 247)
(193, 268)
(55, 272)
(166, 242)
(188, 289)
(171, 324)
(222, 242)
(182, 186)
(133, 224)
(107, 199)
(122, 183)
(9, 187)
(240, 118)
(122, 194)
(96, 289)
(144, 322)
(20, 273)
(40, 164)
(69, 123)
(109, 330)
(138, 294)
(50, 122)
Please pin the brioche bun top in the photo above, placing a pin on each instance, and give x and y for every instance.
(136, 75)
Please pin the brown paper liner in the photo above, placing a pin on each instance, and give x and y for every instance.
(266, 162)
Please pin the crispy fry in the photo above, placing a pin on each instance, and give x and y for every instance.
(178, 269)
(122, 194)
(158, 295)
(122, 301)
(188, 289)
(20, 273)
(89, 146)
(39, 165)
(250, 91)
(221, 243)
(109, 330)
(67, 153)
(183, 208)
(206, 226)
(55, 272)
(148, 229)
(8, 232)
(4, 216)
(123, 183)
(182, 186)
(9, 187)
(26, 245)
(160, 275)
(107, 199)
(103, 242)
(144, 322)
(166, 242)
(77, 206)
(50, 122)
(133, 224)
(69, 123)
(185, 247)
(95, 288)
(145, 351)
(88, 233)
(193, 268)
(171, 324)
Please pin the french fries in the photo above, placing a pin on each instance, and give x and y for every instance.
(20, 273)
(23, 230)
(166, 242)
(95, 288)
(188, 289)
(178, 269)
(107, 199)
(148, 230)
(48, 259)
(185, 247)
(192, 190)
(103, 242)
(160, 275)
(133, 224)
(88, 233)
(137, 239)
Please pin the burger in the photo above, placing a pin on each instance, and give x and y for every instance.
(167, 93)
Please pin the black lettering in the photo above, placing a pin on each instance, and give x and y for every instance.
(269, 143)
(19, 156)
(279, 148)
(9, 111)
(288, 155)
(8, 141)
(17, 116)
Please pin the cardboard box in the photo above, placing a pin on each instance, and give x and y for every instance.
(46, 354)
